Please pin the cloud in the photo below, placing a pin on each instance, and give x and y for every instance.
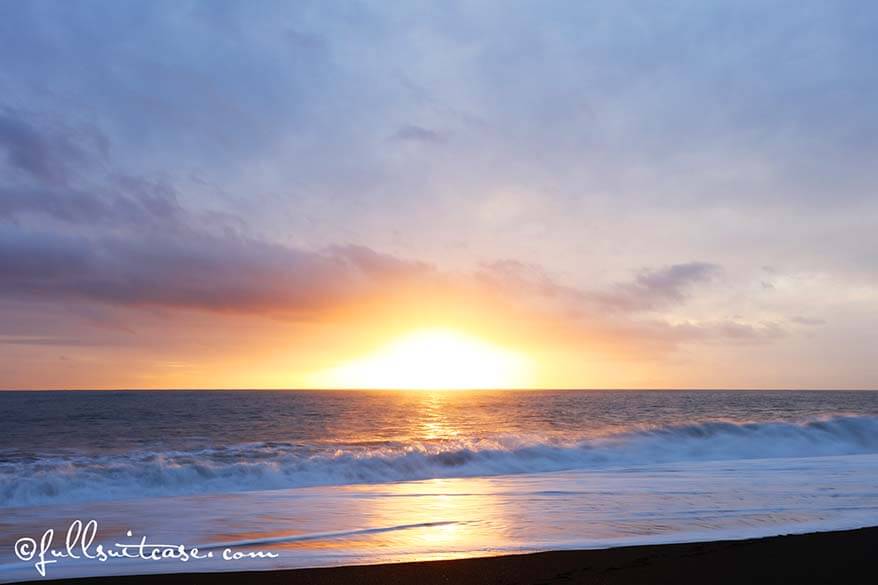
(648, 290)
(412, 133)
(655, 289)
(128, 201)
(626, 314)
(192, 270)
(36, 155)
(184, 265)
(126, 241)
(59, 178)
(46, 148)
(624, 162)
(45, 341)
(807, 321)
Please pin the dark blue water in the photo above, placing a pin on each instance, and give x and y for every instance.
(75, 446)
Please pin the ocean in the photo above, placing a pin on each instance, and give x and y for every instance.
(327, 478)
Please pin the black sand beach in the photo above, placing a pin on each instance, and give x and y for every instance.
(827, 557)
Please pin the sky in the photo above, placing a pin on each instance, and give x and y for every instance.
(630, 194)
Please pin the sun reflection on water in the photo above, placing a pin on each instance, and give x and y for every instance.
(435, 519)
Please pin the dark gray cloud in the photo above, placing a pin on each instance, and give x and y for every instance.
(126, 240)
(192, 270)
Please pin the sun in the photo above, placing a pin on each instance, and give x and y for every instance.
(432, 359)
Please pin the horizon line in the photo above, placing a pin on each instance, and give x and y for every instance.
(540, 389)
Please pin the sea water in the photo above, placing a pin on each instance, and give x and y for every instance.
(327, 478)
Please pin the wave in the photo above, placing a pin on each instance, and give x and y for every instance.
(251, 467)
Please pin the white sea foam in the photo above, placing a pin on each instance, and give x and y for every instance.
(253, 467)
(407, 521)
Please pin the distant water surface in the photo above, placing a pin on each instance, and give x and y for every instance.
(119, 421)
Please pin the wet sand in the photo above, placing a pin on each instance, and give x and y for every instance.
(827, 557)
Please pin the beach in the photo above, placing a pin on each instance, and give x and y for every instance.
(843, 557)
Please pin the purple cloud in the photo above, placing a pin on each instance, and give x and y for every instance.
(654, 289)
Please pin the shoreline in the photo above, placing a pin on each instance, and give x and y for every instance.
(846, 556)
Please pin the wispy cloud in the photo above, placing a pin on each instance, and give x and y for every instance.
(412, 133)
(655, 289)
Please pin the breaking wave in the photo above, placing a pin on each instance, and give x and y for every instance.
(28, 480)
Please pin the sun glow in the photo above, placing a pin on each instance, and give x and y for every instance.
(432, 359)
